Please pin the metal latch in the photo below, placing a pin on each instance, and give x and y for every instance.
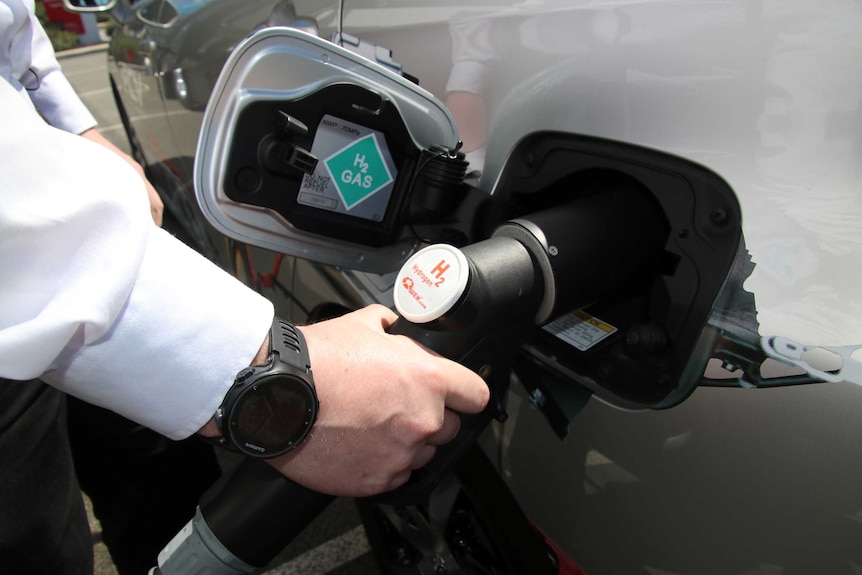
(789, 352)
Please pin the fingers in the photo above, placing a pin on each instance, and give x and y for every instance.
(157, 207)
(448, 429)
(466, 391)
(447, 432)
(396, 481)
(424, 455)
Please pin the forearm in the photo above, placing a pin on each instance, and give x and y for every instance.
(185, 332)
(210, 428)
(156, 206)
(102, 304)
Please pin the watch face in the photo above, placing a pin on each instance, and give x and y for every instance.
(273, 415)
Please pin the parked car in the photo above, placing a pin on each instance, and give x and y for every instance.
(637, 440)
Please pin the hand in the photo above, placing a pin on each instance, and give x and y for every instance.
(157, 208)
(386, 402)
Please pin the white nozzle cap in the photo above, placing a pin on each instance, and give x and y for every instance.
(430, 283)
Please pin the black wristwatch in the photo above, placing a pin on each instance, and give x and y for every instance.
(271, 408)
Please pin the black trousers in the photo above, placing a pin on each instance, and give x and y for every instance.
(43, 523)
(143, 486)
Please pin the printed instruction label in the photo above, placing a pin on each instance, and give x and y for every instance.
(356, 174)
(580, 330)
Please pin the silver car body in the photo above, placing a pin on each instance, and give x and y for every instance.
(766, 94)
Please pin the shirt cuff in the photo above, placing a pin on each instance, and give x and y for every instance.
(187, 329)
(57, 102)
(467, 76)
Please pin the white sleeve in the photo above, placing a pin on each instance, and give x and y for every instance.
(55, 98)
(98, 301)
(472, 52)
(28, 61)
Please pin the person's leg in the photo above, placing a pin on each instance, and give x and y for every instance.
(43, 523)
(143, 486)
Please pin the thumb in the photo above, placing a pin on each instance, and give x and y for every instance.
(378, 315)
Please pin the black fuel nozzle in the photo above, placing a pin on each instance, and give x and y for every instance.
(475, 305)
(478, 305)
(604, 244)
(243, 521)
(560, 258)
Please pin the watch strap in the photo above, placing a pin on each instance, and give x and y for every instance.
(289, 343)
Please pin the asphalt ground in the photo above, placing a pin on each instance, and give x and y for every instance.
(335, 543)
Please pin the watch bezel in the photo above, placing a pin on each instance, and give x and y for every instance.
(247, 444)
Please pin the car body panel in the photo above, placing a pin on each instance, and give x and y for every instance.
(766, 94)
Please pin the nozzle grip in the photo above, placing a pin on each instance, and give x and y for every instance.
(254, 511)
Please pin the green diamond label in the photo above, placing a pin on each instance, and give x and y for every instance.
(356, 174)
(358, 170)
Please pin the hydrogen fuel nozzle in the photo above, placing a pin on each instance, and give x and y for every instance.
(479, 304)
(476, 305)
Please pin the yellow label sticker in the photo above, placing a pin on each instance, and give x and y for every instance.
(580, 330)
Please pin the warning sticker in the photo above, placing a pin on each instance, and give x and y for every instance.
(580, 329)
(358, 170)
(357, 174)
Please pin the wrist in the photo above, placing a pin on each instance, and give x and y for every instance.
(272, 405)
(210, 428)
